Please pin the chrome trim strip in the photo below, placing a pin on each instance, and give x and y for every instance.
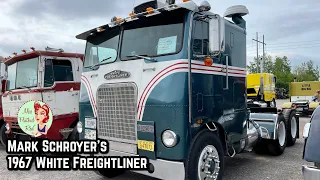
(189, 64)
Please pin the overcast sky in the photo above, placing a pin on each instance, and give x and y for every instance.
(290, 27)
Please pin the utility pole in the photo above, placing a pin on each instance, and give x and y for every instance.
(261, 64)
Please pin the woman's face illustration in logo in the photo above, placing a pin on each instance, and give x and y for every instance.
(41, 113)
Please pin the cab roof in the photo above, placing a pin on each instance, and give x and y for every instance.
(38, 53)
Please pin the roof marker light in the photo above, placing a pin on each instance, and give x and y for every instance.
(24, 51)
(185, 0)
(32, 48)
(14, 53)
(149, 10)
(100, 29)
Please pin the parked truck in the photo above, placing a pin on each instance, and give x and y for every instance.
(301, 97)
(169, 82)
(51, 76)
(2, 89)
(265, 91)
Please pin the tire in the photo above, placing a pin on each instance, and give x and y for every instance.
(4, 136)
(74, 135)
(272, 103)
(110, 173)
(261, 147)
(277, 147)
(207, 146)
(292, 126)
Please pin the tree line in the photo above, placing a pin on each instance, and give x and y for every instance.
(285, 73)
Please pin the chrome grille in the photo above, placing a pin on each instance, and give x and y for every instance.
(117, 112)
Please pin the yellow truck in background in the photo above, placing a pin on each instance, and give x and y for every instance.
(267, 91)
(301, 97)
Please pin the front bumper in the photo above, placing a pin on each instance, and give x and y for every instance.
(310, 173)
(163, 169)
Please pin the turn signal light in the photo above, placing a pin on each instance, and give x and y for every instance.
(185, 0)
(208, 61)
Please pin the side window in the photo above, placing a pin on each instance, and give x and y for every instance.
(62, 70)
(57, 70)
(200, 38)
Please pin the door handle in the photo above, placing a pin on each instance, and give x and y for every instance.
(147, 69)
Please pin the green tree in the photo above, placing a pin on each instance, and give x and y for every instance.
(282, 70)
(306, 72)
(254, 66)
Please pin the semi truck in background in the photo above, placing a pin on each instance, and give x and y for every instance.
(301, 97)
(51, 76)
(178, 96)
(265, 92)
(2, 89)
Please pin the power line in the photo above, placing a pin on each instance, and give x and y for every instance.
(288, 48)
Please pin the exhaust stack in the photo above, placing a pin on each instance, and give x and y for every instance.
(236, 13)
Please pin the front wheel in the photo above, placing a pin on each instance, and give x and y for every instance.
(206, 157)
(4, 136)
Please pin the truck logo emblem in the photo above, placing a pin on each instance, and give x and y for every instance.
(117, 74)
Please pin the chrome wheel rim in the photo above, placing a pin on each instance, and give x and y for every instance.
(293, 127)
(208, 164)
(281, 133)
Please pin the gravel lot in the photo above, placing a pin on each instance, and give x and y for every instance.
(248, 166)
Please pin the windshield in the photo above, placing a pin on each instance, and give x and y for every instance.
(23, 74)
(102, 47)
(151, 36)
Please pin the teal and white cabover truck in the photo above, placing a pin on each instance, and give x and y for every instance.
(169, 82)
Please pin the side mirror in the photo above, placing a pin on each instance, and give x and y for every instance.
(306, 130)
(275, 79)
(216, 35)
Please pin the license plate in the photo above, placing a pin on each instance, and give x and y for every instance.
(90, 123)
(299, 109)
(90, 134)
(146, 145)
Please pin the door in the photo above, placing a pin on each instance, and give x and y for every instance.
(61, 91)
(207, 81)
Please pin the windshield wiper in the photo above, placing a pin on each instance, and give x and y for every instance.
(100, 63)
(146, 57)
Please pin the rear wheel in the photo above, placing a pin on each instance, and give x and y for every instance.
(277, 147)
(206, 157)
(272, 103)
(292, 126)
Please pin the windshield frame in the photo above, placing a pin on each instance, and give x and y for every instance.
(99, 35)
(16, 72)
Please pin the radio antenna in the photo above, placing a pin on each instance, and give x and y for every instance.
(134, 1)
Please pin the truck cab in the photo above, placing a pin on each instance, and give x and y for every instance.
(169, 83)
(51, 76)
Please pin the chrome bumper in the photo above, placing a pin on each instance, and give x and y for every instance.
(310, 173)
(163, 169)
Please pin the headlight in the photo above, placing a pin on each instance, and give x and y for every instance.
(169, 138)
(7, 126)
(79, 127)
